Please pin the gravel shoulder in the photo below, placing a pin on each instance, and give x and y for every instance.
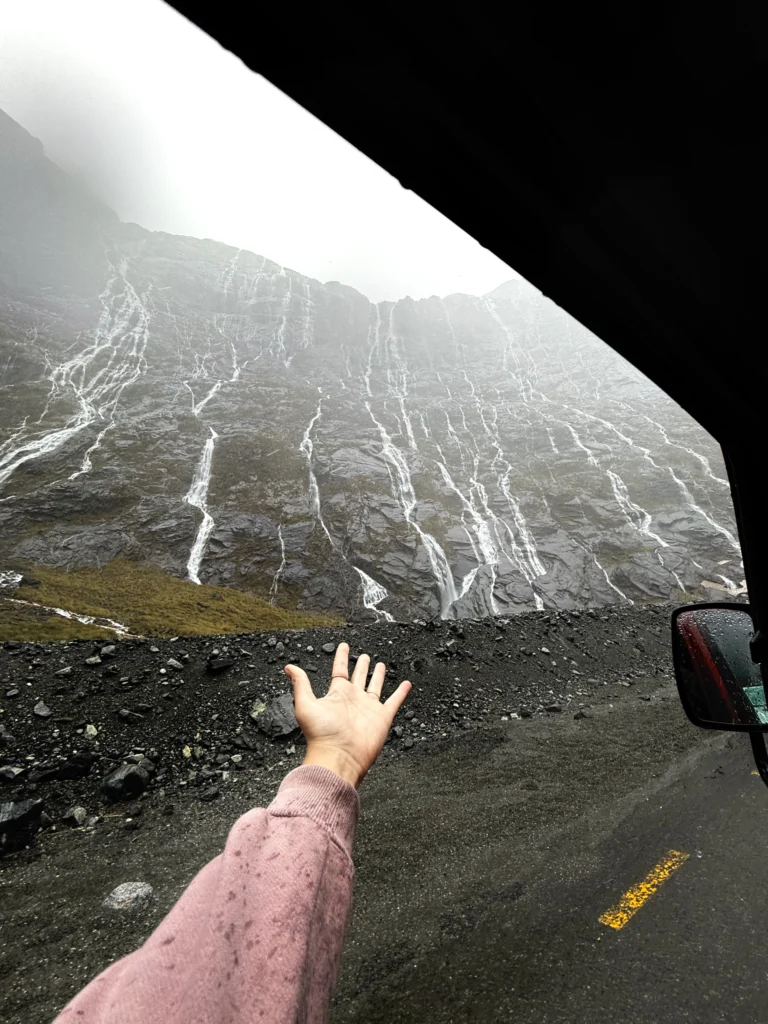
(515, 729)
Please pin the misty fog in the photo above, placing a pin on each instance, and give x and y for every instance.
(176, 134)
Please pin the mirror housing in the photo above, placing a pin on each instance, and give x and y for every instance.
(720, 685)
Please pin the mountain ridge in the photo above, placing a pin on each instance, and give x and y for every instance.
(201, 408)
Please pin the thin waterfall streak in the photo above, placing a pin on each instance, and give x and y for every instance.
(373, 595)
(93, 379)
(635, 515)
(705, 515)
(622, 436)
(579, 444)
(307, 449)
(609, 581)
(197, 497)
(672, 572)
(281, 568)
(87, 620)
(483, 546)
(403, 488)
(702, 459)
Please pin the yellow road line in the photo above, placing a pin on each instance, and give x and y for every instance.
(631, 901)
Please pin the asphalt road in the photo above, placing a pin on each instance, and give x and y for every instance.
(492, 913)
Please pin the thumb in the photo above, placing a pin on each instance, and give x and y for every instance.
(302, 688)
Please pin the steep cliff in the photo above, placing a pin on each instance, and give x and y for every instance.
(182, 402)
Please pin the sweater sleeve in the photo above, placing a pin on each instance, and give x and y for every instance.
(257, 935)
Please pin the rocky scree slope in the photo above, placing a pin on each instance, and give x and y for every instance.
(104, 736)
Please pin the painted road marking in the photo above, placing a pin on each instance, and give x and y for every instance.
(631, 901)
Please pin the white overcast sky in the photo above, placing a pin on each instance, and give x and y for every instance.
(178, 135)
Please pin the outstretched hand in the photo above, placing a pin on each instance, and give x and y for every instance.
(346, 729)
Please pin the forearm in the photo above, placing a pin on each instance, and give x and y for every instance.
(258, 933)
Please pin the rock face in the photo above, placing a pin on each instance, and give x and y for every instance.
(179, 400)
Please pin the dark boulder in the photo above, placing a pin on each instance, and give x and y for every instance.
(216, 665)
(279, 717)
(125, 782)
(19, 820)
(77, 766)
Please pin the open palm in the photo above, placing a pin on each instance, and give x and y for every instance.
(346, 729)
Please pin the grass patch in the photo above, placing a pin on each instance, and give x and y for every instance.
(146, 601)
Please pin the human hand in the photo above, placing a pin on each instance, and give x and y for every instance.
(346, 729)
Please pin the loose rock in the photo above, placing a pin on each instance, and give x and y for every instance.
(19, 820)
(42, 710)
(279, 717)
(75, 817)
(219, 664)
(129, 896)
(129, 716)
(124, 782)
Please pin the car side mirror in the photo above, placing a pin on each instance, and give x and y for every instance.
(720, 686)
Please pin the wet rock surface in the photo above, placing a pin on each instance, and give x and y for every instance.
(204, 408)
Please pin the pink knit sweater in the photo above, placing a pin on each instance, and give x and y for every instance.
(257, 935)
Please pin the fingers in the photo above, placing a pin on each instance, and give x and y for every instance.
(360, 673)
(302, 689)
(394, 703)
(341, 661)
(377, 679)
